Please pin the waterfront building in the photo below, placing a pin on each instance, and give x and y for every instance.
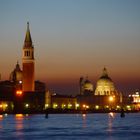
(135, 100)
(63, 102)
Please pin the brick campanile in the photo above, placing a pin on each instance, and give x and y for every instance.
(28, 63)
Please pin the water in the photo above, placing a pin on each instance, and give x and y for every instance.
(70, 127)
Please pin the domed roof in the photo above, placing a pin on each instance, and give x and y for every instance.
(88, 85)
(105, 85)
(17, 69)
(16, 74)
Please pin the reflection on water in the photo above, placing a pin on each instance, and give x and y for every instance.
(111, 114)
(84, 120)
(19, 124)
(1, 117)
(110, 120)
(19, 116)
(70, 126)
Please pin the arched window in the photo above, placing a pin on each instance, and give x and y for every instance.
(28, 53)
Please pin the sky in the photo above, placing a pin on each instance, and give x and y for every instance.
(73, 38)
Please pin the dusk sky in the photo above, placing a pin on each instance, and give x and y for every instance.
(73, 38)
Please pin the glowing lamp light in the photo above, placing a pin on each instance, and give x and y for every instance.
(70, 105)
(55, 105)
(96, 107)
(19, 92)
(6, 105)
(63, 105)
(118, 106)
(77, 105)
(84, 106)
(128, 107)
(46, 105)
(20, 82)
(111, 98)
(87, 106)
(0, 105)
(26, 105)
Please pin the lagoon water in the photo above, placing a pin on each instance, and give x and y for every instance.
(70, 127)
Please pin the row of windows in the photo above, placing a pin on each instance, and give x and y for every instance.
(106, 92)
(28, 53)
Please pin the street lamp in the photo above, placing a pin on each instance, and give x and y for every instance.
(111, 99)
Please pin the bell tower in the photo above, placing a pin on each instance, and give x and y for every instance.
(28, 63)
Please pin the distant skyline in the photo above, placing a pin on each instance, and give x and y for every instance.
(73, 38)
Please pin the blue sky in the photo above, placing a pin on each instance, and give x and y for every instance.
(74, 38)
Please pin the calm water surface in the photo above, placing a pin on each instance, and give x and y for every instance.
(70, 126)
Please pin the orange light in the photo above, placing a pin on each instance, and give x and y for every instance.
(84, 106)
(87, 106)
(19, 116)
(0, 105)
(111, 98)
(19, 92)
(1, 116)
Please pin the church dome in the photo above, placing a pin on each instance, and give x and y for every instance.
(16, 74)
(105, 85)
(88, 85)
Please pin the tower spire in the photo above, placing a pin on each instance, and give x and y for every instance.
(105, 72)
(28, 35)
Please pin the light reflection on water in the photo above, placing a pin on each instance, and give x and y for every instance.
(19, 124)
(110, 120)
(70, 126)
(84, 120)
